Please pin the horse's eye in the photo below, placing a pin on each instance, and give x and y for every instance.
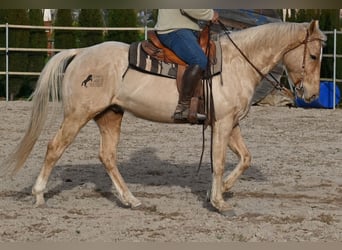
(313, 57)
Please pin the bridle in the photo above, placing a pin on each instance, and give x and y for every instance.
(299, 87)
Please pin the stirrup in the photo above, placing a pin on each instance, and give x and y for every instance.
(201, 117)
(184, 116)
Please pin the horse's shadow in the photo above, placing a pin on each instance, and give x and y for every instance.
(145, 168)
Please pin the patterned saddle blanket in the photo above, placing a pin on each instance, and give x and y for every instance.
(142, 61)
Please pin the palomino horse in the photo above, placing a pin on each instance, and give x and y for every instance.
(113, 88)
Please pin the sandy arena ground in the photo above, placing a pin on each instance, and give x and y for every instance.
(292, 192)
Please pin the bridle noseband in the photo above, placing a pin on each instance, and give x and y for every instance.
(299, 85)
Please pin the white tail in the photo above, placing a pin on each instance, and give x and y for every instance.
(48, 86)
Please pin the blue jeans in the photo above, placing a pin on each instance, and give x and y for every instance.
(184, 43)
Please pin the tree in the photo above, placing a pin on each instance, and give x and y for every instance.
(154, 16)
(301, 16)
(64, 39)
(18, 60)
(312, 14)
(122, 18)
(36, 60)
(90, 18)
(291, 15)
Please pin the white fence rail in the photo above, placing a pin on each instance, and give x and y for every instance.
(7, 49)
(145, 29)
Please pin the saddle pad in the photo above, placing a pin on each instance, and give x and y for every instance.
(139, 59)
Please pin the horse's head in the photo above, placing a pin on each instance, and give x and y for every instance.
(303, 63)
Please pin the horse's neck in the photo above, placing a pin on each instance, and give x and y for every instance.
(265, 48)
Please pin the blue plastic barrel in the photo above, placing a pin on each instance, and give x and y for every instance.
(325, 99)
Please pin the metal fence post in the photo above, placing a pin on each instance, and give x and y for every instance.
(334, 70)
(7, 62)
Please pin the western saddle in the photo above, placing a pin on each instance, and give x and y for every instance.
(155, 49)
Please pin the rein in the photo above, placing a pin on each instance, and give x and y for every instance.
(275, 83)
(209, 105)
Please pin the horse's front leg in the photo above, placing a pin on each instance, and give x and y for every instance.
(109, 124)
(221, 132)
(237, 145)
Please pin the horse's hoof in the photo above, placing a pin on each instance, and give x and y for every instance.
(145, 208)
(139, 206)
(41, 205)
(228, 213)
(135, 204)
(40, 202)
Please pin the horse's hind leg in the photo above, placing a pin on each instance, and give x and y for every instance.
(63, 138)
(237, 145)
(109, 124)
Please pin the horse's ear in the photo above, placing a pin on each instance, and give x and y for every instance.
(314, 25)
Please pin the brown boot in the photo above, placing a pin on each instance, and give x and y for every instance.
(192, 76)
